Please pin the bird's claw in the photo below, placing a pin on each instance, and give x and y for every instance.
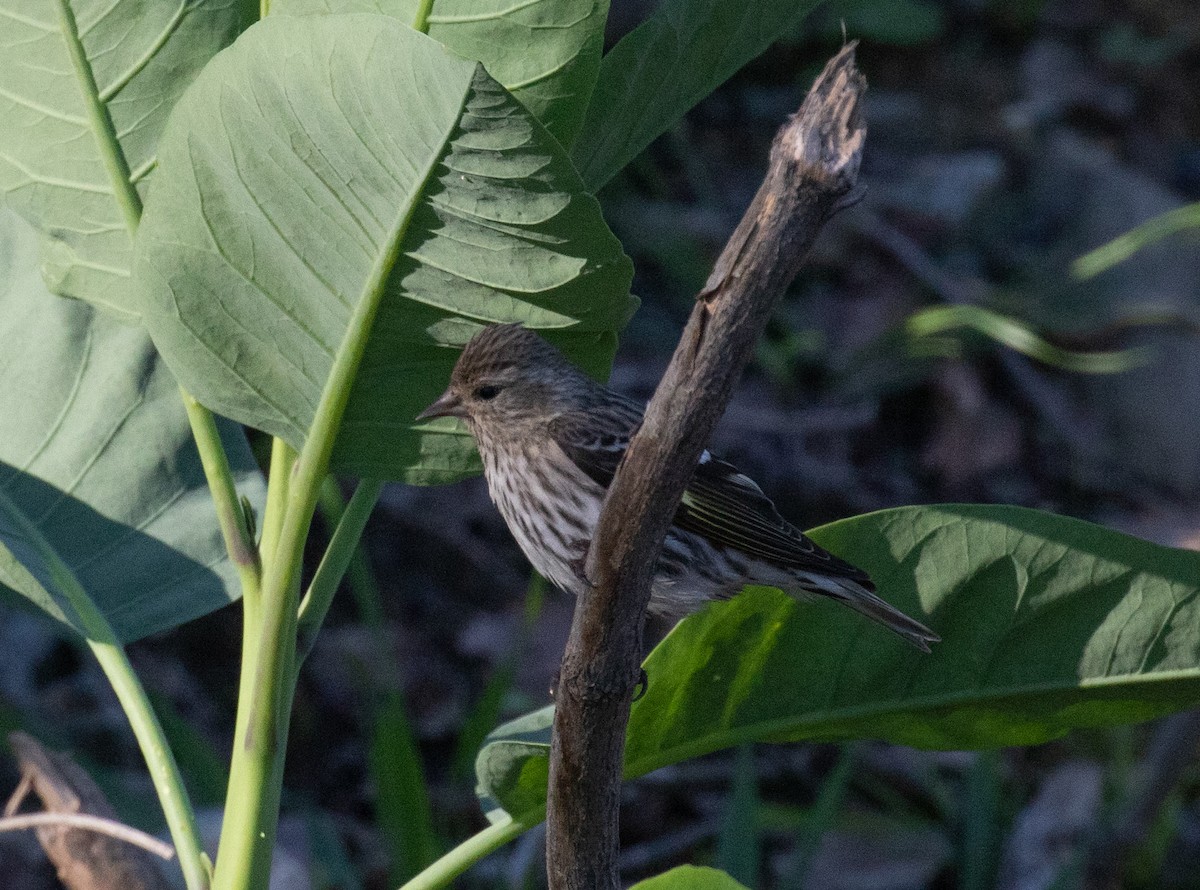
(642, 687)
(639, 691)
(579, 568)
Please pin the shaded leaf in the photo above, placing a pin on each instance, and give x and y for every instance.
(85, 88)
(340, 188)
(402, 793)
(545, 52)
(895, 22)
(1048, 624)
(739, 847)
(97, 465)
(660, 69)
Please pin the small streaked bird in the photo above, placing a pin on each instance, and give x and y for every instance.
(551, 439)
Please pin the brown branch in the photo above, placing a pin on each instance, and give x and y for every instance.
(812, 171)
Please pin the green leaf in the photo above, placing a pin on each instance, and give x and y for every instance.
(1121, 248)
(659, 70)
(545, 52)
(340, 189)
(85, 88)
(401, 792)
(690, 877)
(936, 320)
(739, 847)
(895, 22)
(98, 472)
(1048, 624)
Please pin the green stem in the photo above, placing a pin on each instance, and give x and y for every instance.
(235, 525)
(360, 577)
(342, 546)
(466, 854)
(822, 813)
(103, 641)
(256, 771)
(283, 458)
(421, 20)
(164, 771)
(116, 166)
(1124, 246)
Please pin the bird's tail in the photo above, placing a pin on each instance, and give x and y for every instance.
(863, 601)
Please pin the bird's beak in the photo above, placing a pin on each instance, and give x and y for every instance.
(447, 405)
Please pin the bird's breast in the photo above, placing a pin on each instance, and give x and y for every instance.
(550, 507)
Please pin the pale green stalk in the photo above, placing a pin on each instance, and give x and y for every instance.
(421, 19)
(176, 806)
(234, 528)
(360, 578)
(110, 654)
(256, 771)
(334, 563)
(160, 760)
(101, 638)
(1124, 246)
(235, 525)
(466, 854)
(279, 478)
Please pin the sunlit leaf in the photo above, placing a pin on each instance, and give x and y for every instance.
(690, 877)
(545, 52)
(85, 88)
(1123, 247)
(337, 188)
(1048, 624)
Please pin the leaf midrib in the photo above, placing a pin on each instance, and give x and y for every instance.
(336, 394)
(111, 155)
(61, 578)
(660, 757)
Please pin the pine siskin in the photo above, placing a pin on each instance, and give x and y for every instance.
(551, 439)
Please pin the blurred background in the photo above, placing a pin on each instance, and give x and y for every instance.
(946, 342)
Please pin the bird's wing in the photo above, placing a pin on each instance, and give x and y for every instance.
(595, 440)
(729, 509)
(720, 503)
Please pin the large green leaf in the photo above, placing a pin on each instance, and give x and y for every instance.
(544, 52)
(98, 473)
(1048, 624)
(659, 70)
(341, 184)
(85, 87)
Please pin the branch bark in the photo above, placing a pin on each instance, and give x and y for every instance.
(812, 172)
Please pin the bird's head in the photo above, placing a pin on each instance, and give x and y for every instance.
(508, 377)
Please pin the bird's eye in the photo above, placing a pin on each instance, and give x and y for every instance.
(487, 392)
